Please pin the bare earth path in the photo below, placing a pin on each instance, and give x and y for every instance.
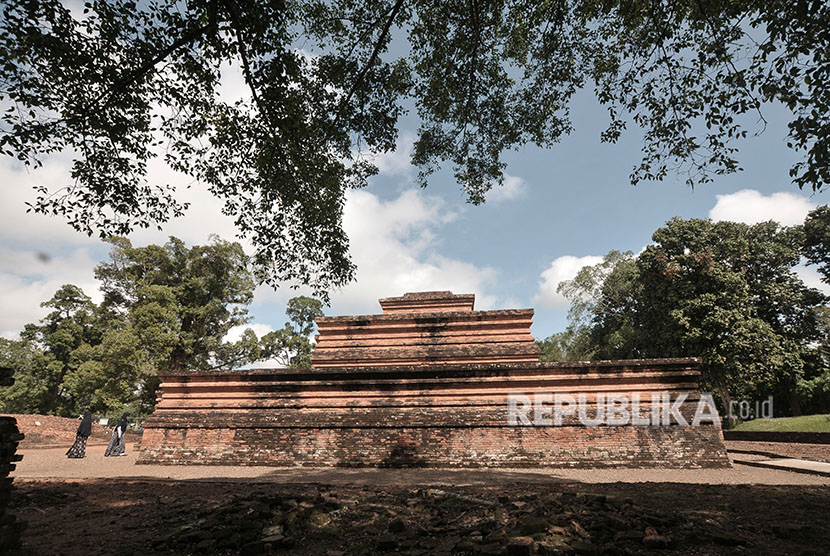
(112, 506)
(52, 463)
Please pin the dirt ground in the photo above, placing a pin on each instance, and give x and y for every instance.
(110, 516)
(111, 505)
(101, 505)
(818, 452)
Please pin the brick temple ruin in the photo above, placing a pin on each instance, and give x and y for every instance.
(429, 383)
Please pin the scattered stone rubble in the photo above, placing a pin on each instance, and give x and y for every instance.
(432, 521)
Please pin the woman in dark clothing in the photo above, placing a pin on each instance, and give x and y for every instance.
(78, 449)
(116, 445)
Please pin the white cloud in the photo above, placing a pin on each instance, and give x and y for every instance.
(393, 245)
(232, 86)
(812, 279)
(30, 229)
(561, 269)
(29, 277)
(203, 218)
(512, 188)
(750, 207)
(397, 162)
(41, 253)
(235, 333)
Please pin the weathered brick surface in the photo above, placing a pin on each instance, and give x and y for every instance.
(428, 302)
(448, 416)
(670, 446)
(426, 328)
(427, 383)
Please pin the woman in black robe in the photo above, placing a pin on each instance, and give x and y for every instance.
(78, 449)
(116, 445)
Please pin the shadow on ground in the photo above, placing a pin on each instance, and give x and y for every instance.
(89, 517)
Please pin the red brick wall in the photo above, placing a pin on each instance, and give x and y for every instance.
(666, 446)
(441, 417)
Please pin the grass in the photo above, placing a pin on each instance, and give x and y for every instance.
(805, 423)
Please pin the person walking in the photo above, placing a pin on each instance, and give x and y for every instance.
(78, 449)
(116, 445)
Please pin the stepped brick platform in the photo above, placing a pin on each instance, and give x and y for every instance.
(430, 382)
(426, 328)
(445, 416)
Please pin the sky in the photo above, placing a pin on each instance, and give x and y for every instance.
(559, 209)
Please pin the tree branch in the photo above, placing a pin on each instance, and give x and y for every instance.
(362, 75)
(145, 68)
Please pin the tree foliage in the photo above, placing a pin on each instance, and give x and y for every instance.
(724, 291)
(118, 83)
(291, 346)
(574, 344)
(165, 308)
(817, 240)
(183, 301)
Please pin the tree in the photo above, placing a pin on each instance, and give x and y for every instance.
(817, 240)
(814, 388)
(302, 311)
(124, 82)
(70, 326)
(30, 389)
(585, 290)
(290, 346)
(182, 301)
(723, 291)
(574, 344)
(165, 308)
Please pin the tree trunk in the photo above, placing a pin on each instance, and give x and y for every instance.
(792, 398)
(726, 400)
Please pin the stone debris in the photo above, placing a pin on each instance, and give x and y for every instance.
(421, 522)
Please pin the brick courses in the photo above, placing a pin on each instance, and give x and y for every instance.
(358, 406)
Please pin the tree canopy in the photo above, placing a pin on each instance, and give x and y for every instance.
(165, 308)
(723, 291)
(290, 346)
(117, 83)
(183, 301)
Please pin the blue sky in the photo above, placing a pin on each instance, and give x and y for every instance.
(560, 208)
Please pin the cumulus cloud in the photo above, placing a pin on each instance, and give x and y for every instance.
(203, 218)
(29, 277)
(394, 246)
(562, 268)
(27, 228)
(397, 162)
(40, 253)
(512, 188)
(235, 333)
(750, 207)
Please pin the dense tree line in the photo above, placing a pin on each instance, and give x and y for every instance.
(165, 308)
(723, 291)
